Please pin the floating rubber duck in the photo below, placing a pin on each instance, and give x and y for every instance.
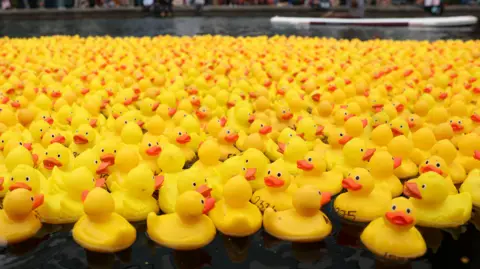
(56, 156)
(447, 151)
(313, 167)
(363, 193)
(254, 165)
(313, 225)
(294, 150)
(85, 137)
(382, 166)
(389, 235)
(468, 155)
(355, 154)
(180, 138)
(277, 192)
(434, 206)
(234, 215)
(101, 229)
(402, 147)
(423, 141)
(186, 229)
(18, 221)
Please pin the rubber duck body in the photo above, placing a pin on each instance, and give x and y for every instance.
(314, 173)
(381, 166)
(447, 151)
(435, 208)
(186, 229)
(364, 200)
(101, 229)
(303, 223)
(400, 146)
(472, 186)
(394, 235)
(17, 219)
(235, 215)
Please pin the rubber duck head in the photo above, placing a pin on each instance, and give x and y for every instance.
(307, 200)
(37, 129)
(261, 127)
(52, 136)
(19, 102)
(148, 106)
(376, 103)
(255, 164)
(401, 214)
(309, 130)
(179, 137)
(56, 155)
(355, 126)
(227, 136)
(125, 159)
(20, 155)
(437, 115)
(215, 125)
(313, 163)
(171, 159)
(150, 148)
(399, 127)
(295, 149)
(98, 203)
(64, 115)
(20, 202)
(400, 146)
(359, 182)
(7, 116)
(443, 131)
(192, 180)
(324, 108)
(356, 153)
(237, 192)
(81, 179)
(131, 133)
(244, 115)
(191, 125)
(458, 125)
(434, 164)
(415, 122)
(191, 205)
(277, 177)
(26, 177)
(107, 150)
(179, 116)
(340, 116)
(424, 138)
(209, 153)
(383, 163)
(285, 136)
(141, 182)
(15, 142)
(429, 187)
(283, 112)
(117, 110)
(380, 118)
(382, 135)
(85, 135)
(90, 160)
(445, 150)
(338, 137)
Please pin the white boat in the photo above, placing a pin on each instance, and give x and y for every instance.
(406, 22)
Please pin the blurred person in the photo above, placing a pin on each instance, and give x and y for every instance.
(199, 6)
(6, 4)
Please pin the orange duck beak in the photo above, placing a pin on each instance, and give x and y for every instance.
(58, 139)
(205, 190)
(411, 124)
(183, 139)
(456, 127)
(49, 163)
(475, 118)
(153, 151)
(396, 131)
(140, 123)
(102, 168)
(411, 190)
(350, 184)
(265, 130)
(400, 108)
(281, 147)
(93, 123)
(319, 130)
(49, 120)
(347, 117)
(326, 198)
(443, 95)
(223, 121)
(195, 102)
(200, 114)
(15, 105)
(287, 116)
(155, 106)
(19, 185)
(368, 154)
(430, 168)
(281, 92)
(316, 97)
(108, 158)
(28, 146)
(250, 174)
(231, 138)
(37, 201)
(172, 111)
(159, 182)
(127, 102)
(84, 91)
(84, 195)
(344, 140)
(364, 123)
(397, 161)
(114, 115)
(251, 118)
(399, 218)
(100, 182)
(377, 107)
(80, 139)
(2, 180)
(5, 99)
(273, 182)
(476, 154)
(56, 94)
(230, 104)
(304, 165)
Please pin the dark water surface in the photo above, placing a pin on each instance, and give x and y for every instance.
(55, 248)
(236, 26)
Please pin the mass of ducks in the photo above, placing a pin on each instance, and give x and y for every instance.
(206, 133)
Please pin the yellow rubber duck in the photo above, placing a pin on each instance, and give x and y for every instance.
(468, 154)
(365, 200)
(226, 139)
(471, 185)
(314, 173)
(382, 166)
(337, 138)
(134, 200)
(394, 235)
(447, 151)
(254, 165)
(56, 156)
(234, 215)
(180, 138)
(402, 147)
(85, 137)
(302, 223)
(438, 165)
(186, 229)
(423, 141)
(295, 149)
(18, 221)
(125, 160)
(101, 229)
(274, 151)
(355, 154)
(149, 150)
(310, 131)
(434, 206)
(278, 188)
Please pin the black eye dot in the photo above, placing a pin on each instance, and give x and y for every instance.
(426, 162)
(309, 159)
(58, 155)
(408, 210)
(46, 153)
(96, 162)
(31, 198)
(357, 178)
(279, 174)
(361, 150)
(103, 150)
(438, 164)
(149, 144)
(451, 121)
(86, 133)
(401, 126)
(11, 179)
(202, 202)
(394, 207)
(341, 134)
(53, 136)
(268, 172)
(194, 184)
(459, 122)
(246, 161)
(21, 143)
(319, 192)
(114, 151)
(27, 179)
(424, 186)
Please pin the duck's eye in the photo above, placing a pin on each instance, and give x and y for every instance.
(451, 121)
(459, 122)
(103, 150)
(310, 159)
(424, 186)
(44, 117)
(202, 202)
(86, 133)
(114, 151)
(246, 161)
(290, 135)
(361, 150)
(261, 125)
(357, 177)
(394, 207)
(31, 198)
(96, 162)
(58, 156)
(401, 126)
(205, 180)
(426, 162)
(11, 179)
(27, 179)
(391, 124)
(345, 113)
(269, 172)
(93, 179)
(76, 131)
(179, 133)
(125, 122)
(279, 174)
(411, 119)
(283, 111)
(228, 131)
(21, 144)
(408, 210)
(438, 164)
(319, 193)
(46, 153)
(149, 144)
(157, 143)
(341, 134)
(194, 184)
(244, 169)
